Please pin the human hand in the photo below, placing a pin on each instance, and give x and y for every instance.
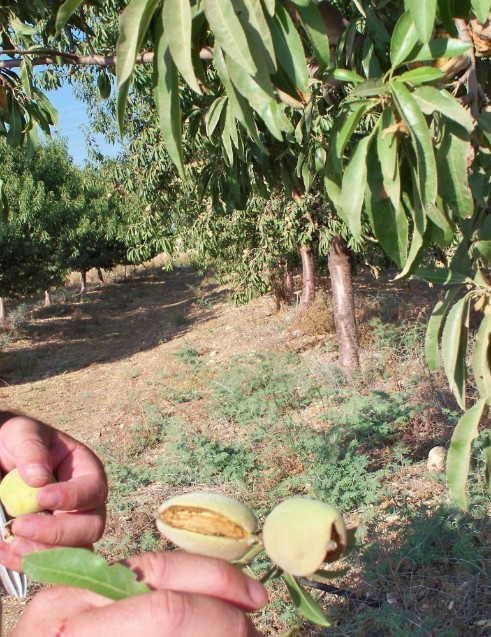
(191, 595)
(76, 501)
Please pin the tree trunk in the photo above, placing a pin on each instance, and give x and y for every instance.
(3, 320)
(288, 283)
(83, 284)
(99, 275)
(308, 277)
(47, 298)
(343, 304)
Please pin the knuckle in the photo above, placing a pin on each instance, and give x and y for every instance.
(173, 609)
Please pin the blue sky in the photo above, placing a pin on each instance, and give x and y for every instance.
(72, 114)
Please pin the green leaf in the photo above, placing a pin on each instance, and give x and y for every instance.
(133, 25)
(229, 33)
(239, 106)
(315, 28)
(419, 237)
(371, 88)
(442, 276)
(177, 20)
(459, 453)
(439, 48)
(431, 100)
(481, 9)
(441, 221)
(445, 13)
(83, 569)
(353, 187)
(25, 74)
(421, 75)
(304, 602)
(404, 39)
(65, 12)
(344, 75)
(454, 346)
(388, 156)
(259, 93)
(255, 24)
(343, 128)
(16, 122)
(423, 16)
(481, 358)
(451, 162)
(420, 135)
(389, 223)
(288, 48)
(166, 95)
(433, 331)
(46, 106)
(212, 117)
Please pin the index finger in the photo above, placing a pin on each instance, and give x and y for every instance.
(190, 573)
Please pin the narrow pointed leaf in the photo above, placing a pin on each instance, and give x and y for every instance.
(454, 346)
(459, 453)
(481, 358)
(424, 17)
(288, 47)
(255, 24)
(345, 75)
(439, 48)
(212, 117)
(451, 161)
(259, 93)
(133, 25)
(353, 187)
(442, 276)
(83, 569)
(387, 143)
(238, 105)
(229, 33)
(342, 130)
(66, 10)
(419, 238)
(315, 28)
(434, 329)
(166, 93)
(389, 223)
(177, 19)
(404, 39)
(304, 602)
(16, 123)
(481, 9)
(421, 75)
(421, 140)
(431, 100)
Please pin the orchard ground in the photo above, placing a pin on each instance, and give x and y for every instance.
(178, 389)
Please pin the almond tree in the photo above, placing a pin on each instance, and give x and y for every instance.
(398, 95)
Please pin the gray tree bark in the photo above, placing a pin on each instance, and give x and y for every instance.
(339, 263)
(308, 277)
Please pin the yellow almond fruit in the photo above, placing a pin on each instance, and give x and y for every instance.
(208, 524)
(301, 533)
(17, 497)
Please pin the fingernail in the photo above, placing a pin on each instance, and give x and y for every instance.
(257, 593)
(49, 499)
(37, 473)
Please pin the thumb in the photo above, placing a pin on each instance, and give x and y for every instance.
(25, 444)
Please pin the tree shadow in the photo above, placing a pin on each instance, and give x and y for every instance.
(111, 323)
(430, 571)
